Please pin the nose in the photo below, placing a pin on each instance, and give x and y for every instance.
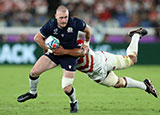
(63, 20)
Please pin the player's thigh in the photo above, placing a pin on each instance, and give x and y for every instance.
(110, 80)
(119, 61)
(43, 64)
(68, 74)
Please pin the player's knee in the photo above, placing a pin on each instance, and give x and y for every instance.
(67, 89)
(133, 58)
(34, 73)
(120, 83)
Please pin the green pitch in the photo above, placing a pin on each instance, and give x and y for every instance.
(93, 98)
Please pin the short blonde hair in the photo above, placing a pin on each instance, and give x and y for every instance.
(61, 8)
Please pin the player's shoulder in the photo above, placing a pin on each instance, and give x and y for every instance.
(51, 22)
(76, 19)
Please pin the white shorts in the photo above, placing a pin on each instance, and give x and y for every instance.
(106, 62)
(110, 80)
(103, 63)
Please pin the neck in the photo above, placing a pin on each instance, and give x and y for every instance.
(59, 27)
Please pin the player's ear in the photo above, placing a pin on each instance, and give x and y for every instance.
(56, 16)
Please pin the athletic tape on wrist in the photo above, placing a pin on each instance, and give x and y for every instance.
(49, 51)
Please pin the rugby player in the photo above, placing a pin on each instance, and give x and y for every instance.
(65, 28)
(99, 66)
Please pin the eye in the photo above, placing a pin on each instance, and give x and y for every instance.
(65, 17)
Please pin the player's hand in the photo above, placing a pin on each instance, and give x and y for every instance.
(85, 48)
(59, 51)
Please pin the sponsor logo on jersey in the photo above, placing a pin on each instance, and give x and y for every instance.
(62, 35)
(55, 31)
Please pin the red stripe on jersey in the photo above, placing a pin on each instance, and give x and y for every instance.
(80, 60)
(86, 65)
(91, 69)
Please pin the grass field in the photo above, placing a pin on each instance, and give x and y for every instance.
(94, 99)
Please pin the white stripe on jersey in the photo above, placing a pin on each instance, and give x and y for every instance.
(85, 64)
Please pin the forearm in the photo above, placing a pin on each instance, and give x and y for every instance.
(87, 36)
(87, 31)
(77, 52)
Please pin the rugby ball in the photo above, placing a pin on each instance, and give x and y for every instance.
(52, 42)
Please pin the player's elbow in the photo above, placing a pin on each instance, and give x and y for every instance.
(36, 38)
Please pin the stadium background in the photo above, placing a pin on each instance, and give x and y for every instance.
(110, 21)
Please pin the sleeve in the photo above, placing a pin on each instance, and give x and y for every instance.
(80, 24)
(46, 29)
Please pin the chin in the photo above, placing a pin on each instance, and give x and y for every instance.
(62, 26)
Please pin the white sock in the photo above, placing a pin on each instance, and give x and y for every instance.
(131, 83)
(33, 85)
(133, 46)
(72, 97)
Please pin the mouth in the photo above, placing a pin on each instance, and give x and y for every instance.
(63, 23)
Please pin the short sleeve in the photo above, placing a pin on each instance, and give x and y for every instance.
(46, 29)
(80, 24)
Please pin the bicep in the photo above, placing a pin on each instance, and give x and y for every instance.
(38, 36)
(87, 29)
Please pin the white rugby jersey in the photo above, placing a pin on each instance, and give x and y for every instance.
(94, 64)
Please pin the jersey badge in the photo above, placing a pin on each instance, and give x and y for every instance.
(70, 30)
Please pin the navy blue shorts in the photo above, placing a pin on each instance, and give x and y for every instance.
(67, 62)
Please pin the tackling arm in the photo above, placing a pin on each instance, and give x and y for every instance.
(76, 52)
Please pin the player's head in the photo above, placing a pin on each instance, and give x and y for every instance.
(62, 15)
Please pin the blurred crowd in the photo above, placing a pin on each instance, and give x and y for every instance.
(23, 12)
(117, 13)
(101, 14)
(98, 14)
(108, 13)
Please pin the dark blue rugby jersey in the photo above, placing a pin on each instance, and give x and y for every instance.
(68, 35)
